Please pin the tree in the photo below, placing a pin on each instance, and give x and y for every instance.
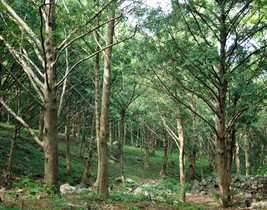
(209, 44)
(38, 54)
(101, 184)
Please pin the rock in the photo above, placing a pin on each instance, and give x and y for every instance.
(188, 194)
(196, 186)
(203, 193)
(209, 179)
(204, 182)
(19, 190)
(72, 206)
(129, 190)
(130, 181)
(112, 157)
(66, 188)
(118, 180)
(259, 205)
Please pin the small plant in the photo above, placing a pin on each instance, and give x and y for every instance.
(263, 169)
(9, 208)
(129, 206)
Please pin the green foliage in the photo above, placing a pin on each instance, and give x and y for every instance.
(32, 188)
(166, 190)
(263, 169)
(9, 208)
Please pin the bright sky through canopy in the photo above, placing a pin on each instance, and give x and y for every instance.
(164, 4)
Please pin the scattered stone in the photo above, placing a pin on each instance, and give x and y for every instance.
(112, 157)
(66, 188)
(196, 186)
(19, 190)
(131, 182)
(203, 193)
(246, 189)
(118, 180)
(259, 205)
(72, 206)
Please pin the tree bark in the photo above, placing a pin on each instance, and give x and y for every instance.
(110, 137)
(50, 103)
(81, 146)
(121, 142)
(192, 152)
(246, 150)
(102, 176)
(11, 151)
(237, 158)
(146, 158)
(68, 156)
(181, 152)
(165, 154)
(86, 171)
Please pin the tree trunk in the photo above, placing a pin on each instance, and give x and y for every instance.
(41, 125)
(192, 152)
(237, 158)
(110, 137)
(137, 137)
(181, 153)
(246, 150)
(86, 171)
(201, 157)
(83, 138)
(124, 133)
(132, 139)
(78, 127)
(50, 103)
(102, 174)
(146, 159)
(11, 151)
(97, 99)
(165, 154)
(120, 143)
(68, 156)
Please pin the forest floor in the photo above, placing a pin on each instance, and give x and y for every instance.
(76, 201)
(24, 190)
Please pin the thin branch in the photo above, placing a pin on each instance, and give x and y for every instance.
(18, 118)
(22, 24)
(92, 55)
(23, 87)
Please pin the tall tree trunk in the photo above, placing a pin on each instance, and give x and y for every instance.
(223, 144)
(50, 103)
(181, 152)
(102, 174)
(237, 158)
(137, 137)
(68, 156)
(165, 153)
(246, 150)
(201, 157)
(132, 139)
(97, 98)
(86, 171)
(192, 152)
(11, 151)
(78, 127)
(41, 125)
(110, 137)
(120, 143)
(124, 133)
(81, 147)
(146, 158)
